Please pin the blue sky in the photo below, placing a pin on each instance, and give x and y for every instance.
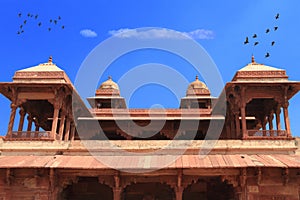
(219, 26)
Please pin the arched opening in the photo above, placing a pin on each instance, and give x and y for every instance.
(148, 191)
(209, 189)
(87, 188)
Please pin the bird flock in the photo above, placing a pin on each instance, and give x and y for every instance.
(53, 23)
(255, 37)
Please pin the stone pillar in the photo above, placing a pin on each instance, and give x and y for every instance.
(178, 193)
(278, 111)
(55, 119)
(37, 125)
(11, 119)
(62, 125)
(244, 125)
(67, 132)
(22, 117)
(237, 124)
(117, 193)
(286, 119)
(232, 128)
(117, 188)
(72, 131)
(29, 119)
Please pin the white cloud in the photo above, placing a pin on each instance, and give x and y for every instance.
(160, 33)
(88, 33)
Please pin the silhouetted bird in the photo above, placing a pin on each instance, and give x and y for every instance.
(22, 31)
(18, 33)
(55, 22)
(49, 29)
(63, 27)
(28, 15)
(59, 18)
(36, 16)
(254, 36)
(277, 16)
(275, 28)
(20, 14)
(267, 55)
(256, 43)
(25, 21)
(273, 43)
(268, 30)
(50, 20)
(31, 15)
(39, 24)
(21, 26)
(246, 41)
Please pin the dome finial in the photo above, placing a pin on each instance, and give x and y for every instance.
(50, 59)
(197, 78)
(253, 59)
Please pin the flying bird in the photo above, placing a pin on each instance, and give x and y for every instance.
(268, 30)
(246, 41)
(25, 21)
(18, 33)
(59, 18)
(256, 43)
(49, 29)
(254, 36)
(267, 55)
(20, 14)
(55, 22)
(273, 42)
(22, 31)
(63, 27)
(50, 20)
(28, 15)
(277, 16)
(36, 16)
(39, 24)
(21, 26)
(275, 28)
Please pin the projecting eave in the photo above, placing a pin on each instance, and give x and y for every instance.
(215, 117)
(294, 86)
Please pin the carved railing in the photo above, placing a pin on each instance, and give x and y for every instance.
(267, 134)
(30, 135)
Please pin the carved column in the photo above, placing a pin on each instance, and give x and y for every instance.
(37, 125)
(237, 123)
(270, 120)
(278, 111)
(179, 188)
(72, 132)
(57, 106)
(243, 114)
(22, 117)
(117, 189)
(67, 131)
(11, 119)
(286, 119)
(62, 125)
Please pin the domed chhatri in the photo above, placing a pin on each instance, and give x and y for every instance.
(109, 84)
(108, 88)
(197, 88)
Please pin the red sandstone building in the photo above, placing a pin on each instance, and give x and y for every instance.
(54, 150)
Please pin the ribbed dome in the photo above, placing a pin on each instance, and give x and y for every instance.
(197, 88)
(108, 88)
(109, 84)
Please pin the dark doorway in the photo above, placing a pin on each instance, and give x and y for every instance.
(209, 189)
(148, 191)
(87, 188)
